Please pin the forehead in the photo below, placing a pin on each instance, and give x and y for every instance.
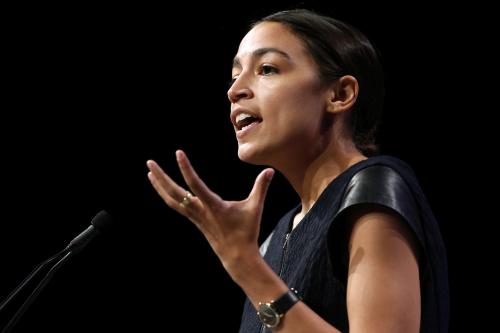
(271, 35)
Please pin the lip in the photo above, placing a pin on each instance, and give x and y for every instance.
(244, 132)
(235, 112)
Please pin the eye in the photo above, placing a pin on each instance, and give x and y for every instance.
(268, 70)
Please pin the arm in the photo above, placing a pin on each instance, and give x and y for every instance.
(383, 289)
(231, 228)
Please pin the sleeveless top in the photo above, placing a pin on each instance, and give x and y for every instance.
(313, 257)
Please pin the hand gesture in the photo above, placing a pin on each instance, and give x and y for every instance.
(231, 227)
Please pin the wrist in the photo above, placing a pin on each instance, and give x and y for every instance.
(241, 266)
(271, 313)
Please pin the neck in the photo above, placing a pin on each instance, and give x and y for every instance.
(312, 176)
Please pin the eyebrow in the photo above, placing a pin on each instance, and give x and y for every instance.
(260, 52)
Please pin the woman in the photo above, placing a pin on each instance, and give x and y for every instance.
(362, 251)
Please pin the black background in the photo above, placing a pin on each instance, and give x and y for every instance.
(92, 92)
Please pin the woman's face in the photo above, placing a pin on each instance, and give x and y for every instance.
(277, 104)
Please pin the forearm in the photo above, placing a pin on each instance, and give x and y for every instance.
(261, 284)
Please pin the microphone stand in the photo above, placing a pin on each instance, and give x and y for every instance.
(38, 288)
(37, 269)
(100, 222)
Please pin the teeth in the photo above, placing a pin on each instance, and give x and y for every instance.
(242, 116)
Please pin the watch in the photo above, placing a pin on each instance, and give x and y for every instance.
(270, 313)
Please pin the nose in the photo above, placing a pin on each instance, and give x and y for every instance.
(238, 90)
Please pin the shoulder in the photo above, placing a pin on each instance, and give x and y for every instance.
(375, 197)
(380, 185)
(377, 205)
(370, 182)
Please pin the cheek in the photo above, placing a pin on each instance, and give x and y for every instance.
(298, 109)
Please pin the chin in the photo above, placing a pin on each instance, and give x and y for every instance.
(251, 155)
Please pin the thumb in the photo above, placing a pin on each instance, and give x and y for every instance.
(261, 185)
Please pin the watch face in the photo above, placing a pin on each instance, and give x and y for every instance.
(268, 315)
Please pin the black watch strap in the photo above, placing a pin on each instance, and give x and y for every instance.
(285, 302)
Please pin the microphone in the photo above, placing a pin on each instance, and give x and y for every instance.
(99, 224)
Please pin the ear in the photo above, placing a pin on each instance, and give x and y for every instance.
(342, 94)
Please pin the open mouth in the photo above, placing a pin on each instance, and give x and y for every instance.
(245, 120)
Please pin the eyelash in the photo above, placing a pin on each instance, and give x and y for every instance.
(273, 69)
(261, 69)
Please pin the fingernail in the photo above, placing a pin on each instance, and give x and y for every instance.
(178, 155)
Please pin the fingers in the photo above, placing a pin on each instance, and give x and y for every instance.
(193, 180)
(174, 195)
(261, 185)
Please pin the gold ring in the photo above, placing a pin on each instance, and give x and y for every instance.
(186, 199)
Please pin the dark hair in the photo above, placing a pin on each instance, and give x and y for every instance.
(340, 49)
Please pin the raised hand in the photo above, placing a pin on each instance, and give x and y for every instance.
(231, 227)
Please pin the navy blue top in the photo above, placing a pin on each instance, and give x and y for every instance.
(314, 259)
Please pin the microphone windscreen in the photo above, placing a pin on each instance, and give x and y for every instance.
(102, 221)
